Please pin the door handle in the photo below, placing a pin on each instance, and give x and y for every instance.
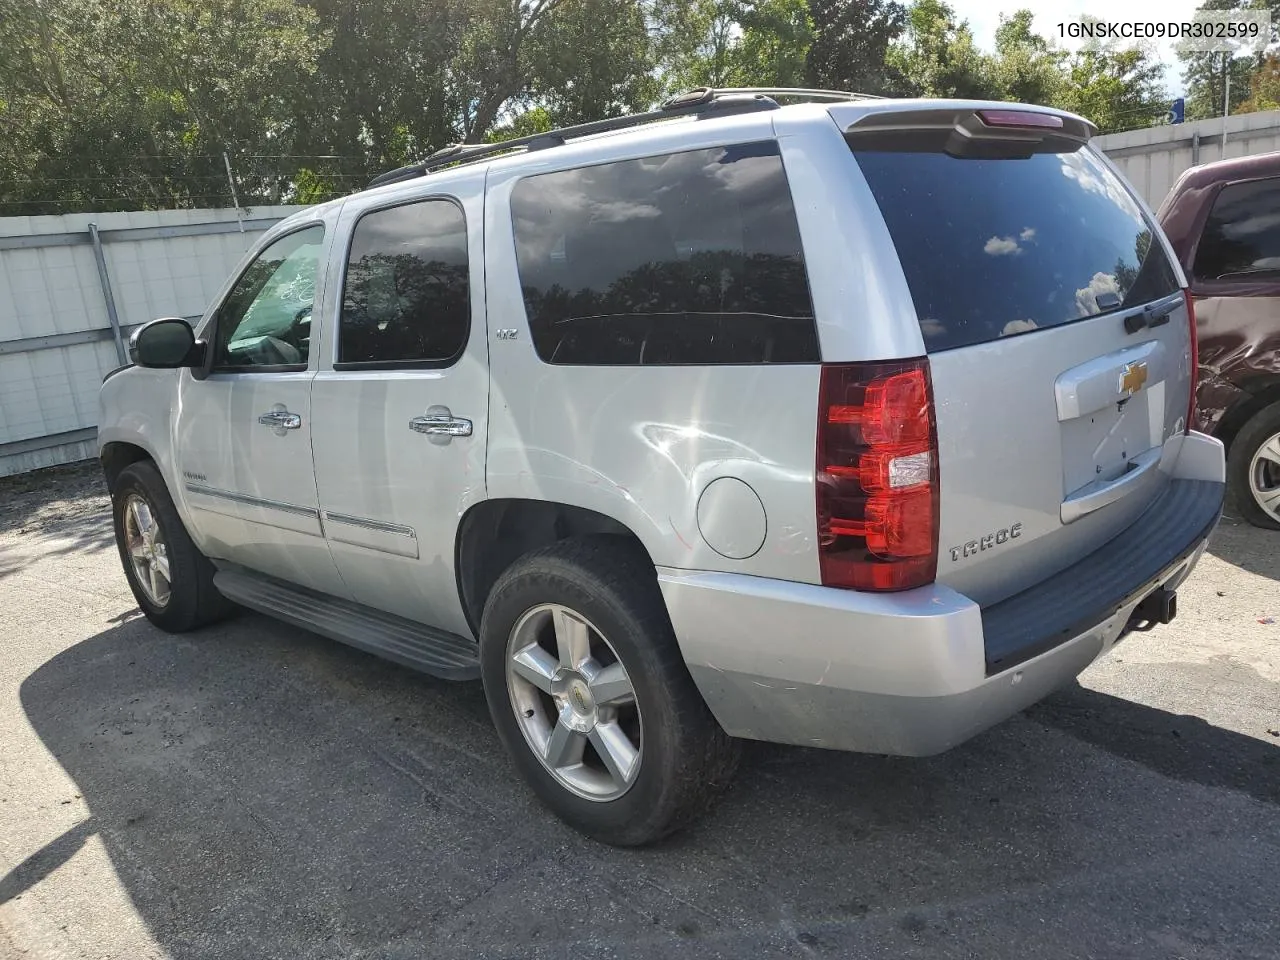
(441, 425)
(281, 420)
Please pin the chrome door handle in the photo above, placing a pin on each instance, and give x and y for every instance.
(441, 426)
(281, 420)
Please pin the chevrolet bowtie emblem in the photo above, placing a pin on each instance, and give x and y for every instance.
(1134, 376)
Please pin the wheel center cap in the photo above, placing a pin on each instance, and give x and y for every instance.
(580, 699)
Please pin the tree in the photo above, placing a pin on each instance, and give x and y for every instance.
(696, 43)
(777, 36)
(1205, 73)
(938, 56)
(131, 104)
(850, 41)
(1264, 87)
(1026, 68)
(592, 59)
(1117, 88)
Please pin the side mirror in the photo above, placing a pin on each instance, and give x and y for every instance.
(166, 344)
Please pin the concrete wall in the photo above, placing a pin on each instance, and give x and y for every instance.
(1154, 158)
(56, 339)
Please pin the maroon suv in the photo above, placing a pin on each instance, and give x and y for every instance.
(1224, 222)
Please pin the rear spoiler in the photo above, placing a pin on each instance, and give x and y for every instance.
(998, 130)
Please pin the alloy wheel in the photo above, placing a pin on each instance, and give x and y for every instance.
(145, 544)
(1264, 476)
(574, 702)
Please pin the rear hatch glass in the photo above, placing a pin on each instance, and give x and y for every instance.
(998, 247)
(1051, 411)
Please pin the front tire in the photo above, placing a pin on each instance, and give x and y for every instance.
(591, 697)
(1253, 468)
(170, 578)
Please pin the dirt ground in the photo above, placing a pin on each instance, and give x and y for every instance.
(254, 791)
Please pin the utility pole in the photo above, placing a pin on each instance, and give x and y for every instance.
(1226, 97)
(231, 181)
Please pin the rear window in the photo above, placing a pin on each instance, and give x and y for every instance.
(683, 258)
(998, 247)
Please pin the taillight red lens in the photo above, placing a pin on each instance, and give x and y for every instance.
(877, 473)
(1195, 359)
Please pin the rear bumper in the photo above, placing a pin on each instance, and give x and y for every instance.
(912, 673)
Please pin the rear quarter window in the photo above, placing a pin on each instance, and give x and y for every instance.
(994, 248)
(683, 258)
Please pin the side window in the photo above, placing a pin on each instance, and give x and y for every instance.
(405, 299)
(687, 258)
(1242, 234)
(266, 319)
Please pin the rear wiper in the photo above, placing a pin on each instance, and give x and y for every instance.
(1152, 315)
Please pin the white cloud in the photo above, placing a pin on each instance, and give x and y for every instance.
(1028, 233)
(1087, 297)
(932, 328)
(1093, 177)
(1017, 326)
(1001, 246)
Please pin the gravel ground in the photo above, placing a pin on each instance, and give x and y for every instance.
(254, 791)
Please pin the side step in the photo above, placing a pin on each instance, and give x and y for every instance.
(414, 645)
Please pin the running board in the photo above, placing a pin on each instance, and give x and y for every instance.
(411, 644)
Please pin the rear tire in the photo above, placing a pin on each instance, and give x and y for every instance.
(591, 697)
(170, 578)
(1253, 469)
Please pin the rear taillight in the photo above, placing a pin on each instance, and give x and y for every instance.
(1195, 359)
(877, 476)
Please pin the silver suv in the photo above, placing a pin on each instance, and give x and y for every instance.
(849, 423)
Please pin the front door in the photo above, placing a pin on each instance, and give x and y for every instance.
(244, 429)
(400, 413)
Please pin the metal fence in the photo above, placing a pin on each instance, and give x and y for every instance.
(72, 289)
(1155, 157)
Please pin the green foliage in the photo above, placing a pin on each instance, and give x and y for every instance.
(1264, 87)
(1205, 74)
(1026, 68)
(1117, 88)
(593, 59)
(775, 43)
(127, 104)
(850, 41)
(937, 56)
(133, 102)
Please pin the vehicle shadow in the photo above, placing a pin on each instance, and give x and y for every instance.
(263, 792)
(1247, 547)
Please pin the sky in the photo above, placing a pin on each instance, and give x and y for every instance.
(984, 17)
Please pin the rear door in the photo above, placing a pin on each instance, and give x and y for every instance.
(1055, 328)
(401, 399)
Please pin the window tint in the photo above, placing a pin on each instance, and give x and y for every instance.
(405, 297)
(266, 319)
(997, 247)
(1242, 234)
(688, 258)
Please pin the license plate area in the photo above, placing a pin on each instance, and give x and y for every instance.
(1111, 411)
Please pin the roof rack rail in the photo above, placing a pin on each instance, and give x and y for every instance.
(703, 101)
(796, 93)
